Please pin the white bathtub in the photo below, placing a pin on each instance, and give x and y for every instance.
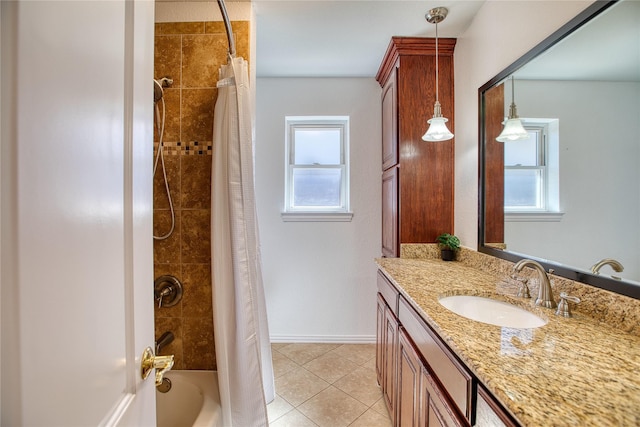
(192, 401)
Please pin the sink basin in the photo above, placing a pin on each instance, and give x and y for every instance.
(494, 312)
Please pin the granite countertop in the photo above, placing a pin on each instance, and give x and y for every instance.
(570, 372)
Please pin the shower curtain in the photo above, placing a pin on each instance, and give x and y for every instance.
(243, 350)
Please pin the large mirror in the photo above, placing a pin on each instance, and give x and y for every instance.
(568, 192)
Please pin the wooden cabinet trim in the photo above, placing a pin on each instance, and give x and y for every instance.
(399, 46)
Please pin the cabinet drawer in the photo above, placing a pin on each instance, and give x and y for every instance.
(388, 291)
(454, 377)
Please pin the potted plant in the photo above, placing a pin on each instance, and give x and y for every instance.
(449, 245)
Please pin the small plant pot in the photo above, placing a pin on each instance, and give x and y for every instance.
(448, 254)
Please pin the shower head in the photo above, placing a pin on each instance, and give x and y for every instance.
(158, 93)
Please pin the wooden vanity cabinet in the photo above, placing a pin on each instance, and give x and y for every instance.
(423, 382)
(417, 182)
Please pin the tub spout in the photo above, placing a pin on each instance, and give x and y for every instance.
(164, 340)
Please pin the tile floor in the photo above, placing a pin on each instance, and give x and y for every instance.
(329, 385)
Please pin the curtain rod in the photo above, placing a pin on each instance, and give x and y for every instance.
(227, 25)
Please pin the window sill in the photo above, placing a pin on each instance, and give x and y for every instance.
(533, 216)
(316, 216)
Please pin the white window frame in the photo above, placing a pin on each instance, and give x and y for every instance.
(316, 213)
(549, 165)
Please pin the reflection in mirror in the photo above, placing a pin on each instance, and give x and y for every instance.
(569, 194)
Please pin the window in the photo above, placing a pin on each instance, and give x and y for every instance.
(531, 173)
(317, 169)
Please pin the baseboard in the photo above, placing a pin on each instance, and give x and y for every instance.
(342, 339)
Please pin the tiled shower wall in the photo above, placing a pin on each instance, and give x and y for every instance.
(191, 54)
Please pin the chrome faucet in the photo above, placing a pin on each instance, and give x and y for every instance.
(545, 293)
(607, 261)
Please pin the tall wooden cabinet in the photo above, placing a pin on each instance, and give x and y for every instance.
(417, 178)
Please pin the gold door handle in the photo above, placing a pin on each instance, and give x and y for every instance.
(161, 364)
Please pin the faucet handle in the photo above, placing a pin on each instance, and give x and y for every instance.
(523, 289)
(563, 305)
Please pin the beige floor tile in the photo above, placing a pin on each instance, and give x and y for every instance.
(276, 346)
(380, 407)
(371, 418)
(331, 367)
(304, 374)
(357, 353)
(282, 364)
(302, 353)
(293, 419)
(278, 408)
(362, 385)
(332, 408)
(371, 364)
(299, 385)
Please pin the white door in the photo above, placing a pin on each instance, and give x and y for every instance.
(76, 213)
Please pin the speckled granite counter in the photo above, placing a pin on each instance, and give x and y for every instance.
(572, 371)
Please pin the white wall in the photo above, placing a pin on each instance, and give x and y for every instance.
(501, 32)
(319, 277)
(589, 193)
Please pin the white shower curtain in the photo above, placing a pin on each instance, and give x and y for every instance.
(243, 350)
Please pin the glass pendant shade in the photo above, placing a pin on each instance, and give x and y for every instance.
(513, 131)
(438, 130)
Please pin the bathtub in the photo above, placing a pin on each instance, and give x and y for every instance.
(192, 401)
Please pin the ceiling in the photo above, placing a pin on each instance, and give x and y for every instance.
(341, 38)
(348, 38)
(605, 49)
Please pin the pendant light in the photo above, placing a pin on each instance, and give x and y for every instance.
(438, 130)
(513, 129)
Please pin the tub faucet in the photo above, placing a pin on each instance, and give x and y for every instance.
(164, 340)
(607, 261)
(545, 293)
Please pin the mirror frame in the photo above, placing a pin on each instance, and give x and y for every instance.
(572, 273)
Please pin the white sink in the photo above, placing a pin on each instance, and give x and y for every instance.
(491, 311)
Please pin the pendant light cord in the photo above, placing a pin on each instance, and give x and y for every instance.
(437, 62)
(513, 97)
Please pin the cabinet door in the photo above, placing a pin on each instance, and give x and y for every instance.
(409, 372)
(380, 328)
(390, 246)
(389, 123)
(436, 410)
(389, 357)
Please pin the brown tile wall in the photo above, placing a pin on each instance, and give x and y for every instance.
(190, 53)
